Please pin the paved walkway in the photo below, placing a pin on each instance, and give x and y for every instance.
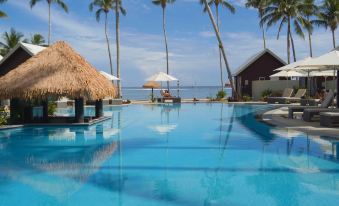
(278, 117)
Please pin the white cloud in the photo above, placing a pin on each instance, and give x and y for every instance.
(193, 56)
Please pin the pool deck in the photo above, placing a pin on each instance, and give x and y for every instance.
(279, 118)
(95, 121)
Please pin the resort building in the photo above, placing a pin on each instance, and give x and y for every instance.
(18, 55)
(259, 67)
(55, 72)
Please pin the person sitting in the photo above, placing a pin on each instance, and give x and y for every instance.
(320, 95)
(165, 94)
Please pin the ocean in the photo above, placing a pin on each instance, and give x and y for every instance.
(199, 92)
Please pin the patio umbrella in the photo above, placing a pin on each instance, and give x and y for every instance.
(289, 73)
(162, 77)
(293, 65)
(109, 76)
(328, 61)
(151, 85)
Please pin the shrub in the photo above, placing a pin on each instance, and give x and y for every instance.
(221, 95)
(265, 94)
(4, 115)
(52, 107)
(246, 98)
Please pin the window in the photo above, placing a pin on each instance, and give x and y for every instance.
(246, 82)
(262, 78)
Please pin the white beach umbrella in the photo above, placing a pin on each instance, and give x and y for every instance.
(293, 65)
(162, 77)
(290, 73)
(328, 61)
(109, 76)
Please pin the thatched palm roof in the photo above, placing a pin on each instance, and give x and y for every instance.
(57, 71)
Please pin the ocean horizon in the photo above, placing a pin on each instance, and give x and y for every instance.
(185, 92)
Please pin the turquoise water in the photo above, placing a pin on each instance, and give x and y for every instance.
(203, 154)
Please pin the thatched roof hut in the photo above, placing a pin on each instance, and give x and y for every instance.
(56, 72)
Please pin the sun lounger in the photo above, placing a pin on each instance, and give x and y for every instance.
(309, 113)
(297, 97)
(287, 93)
(329, 119)
(325, 104)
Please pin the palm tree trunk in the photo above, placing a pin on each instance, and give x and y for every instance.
(293, 48)
(310, 43)
(166, 45)
(117, 30)
(333, 37)
(221, 45)
(49, 23)
(220, 61)
(288, 42)
(263, 30)
(108, 45)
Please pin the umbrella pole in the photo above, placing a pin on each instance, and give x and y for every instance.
(152, 95)
(178, 88)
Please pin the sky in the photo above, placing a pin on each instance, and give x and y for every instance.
(193, 50)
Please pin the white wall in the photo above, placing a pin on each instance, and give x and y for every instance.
(274, 85)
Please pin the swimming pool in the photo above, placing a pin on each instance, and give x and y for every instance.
(189, 154)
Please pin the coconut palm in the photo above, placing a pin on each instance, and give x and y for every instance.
(308, 11)
(286, 12)
(60, 3)
(118, 8)
(328, 16)
(226, 4)
(221, 45)
(2, 13)
(38, 39)
(103, 7)
(10, 40)
(260, 5)
(163, 4)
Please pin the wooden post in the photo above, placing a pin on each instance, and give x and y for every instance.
(99, 108)
(15, 115)
(79, 110)
(45, 111)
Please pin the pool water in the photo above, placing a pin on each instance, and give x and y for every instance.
(189, 154)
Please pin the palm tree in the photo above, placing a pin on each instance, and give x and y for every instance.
(104, 6)
(286, 12)
(221, 45)
(10, 40)
(38, 39)
(230, 7)
(117, 6)
(328, 16)
(61, 3)
(163, 4)
(2, 13)
(308, 11)
(260, 5)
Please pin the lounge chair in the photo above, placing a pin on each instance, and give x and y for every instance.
(297, 97)
(329, 119)
(287, 93)
(324, 105)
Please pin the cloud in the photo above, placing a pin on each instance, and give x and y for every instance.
(193, 54)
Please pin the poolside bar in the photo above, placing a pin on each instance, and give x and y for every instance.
(56, 72)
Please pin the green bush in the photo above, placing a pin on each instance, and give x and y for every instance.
(266, 93)
(52, 107)
(4, 115)
(246, 98)
(221, 95)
